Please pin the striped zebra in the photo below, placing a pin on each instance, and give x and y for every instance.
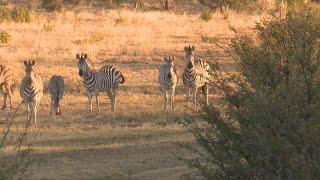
(56, 89)
(104, 79)
(31, 90)
(196, 75)
(168, 81)
(6, 80)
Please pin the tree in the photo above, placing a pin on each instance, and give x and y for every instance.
(267, 125)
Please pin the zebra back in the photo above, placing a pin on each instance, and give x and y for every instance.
(6, 75)
(56, 87)
(197, 74)
(109, 76)
(6, 78)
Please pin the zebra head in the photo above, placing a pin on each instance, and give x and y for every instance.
(189, 55)
(171, 68)
(82, 63)
(29, 67)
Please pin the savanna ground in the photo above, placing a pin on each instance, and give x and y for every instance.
(139, 140)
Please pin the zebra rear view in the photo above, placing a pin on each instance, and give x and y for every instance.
(56, 89)
(106, 79)
(6, 81)
(168, 81)
(31, 90)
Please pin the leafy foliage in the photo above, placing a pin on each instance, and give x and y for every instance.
(223, 4)
(267, 125)
(16, 15)
(4, 37)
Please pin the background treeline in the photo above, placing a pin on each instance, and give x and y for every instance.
(59, 5)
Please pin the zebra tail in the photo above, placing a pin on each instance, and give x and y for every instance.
(58, 94)
(11, 89)
(121, 82)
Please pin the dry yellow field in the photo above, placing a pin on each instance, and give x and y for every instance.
(139, 140)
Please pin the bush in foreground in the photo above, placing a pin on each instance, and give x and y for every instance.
(15, 148)
(267, 126)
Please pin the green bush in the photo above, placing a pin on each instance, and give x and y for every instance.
(224, 4)
(52, 5)
(267, 125)
(94, 38)
(112, 3)
(206, 15)
(4, 37)
(21, 15)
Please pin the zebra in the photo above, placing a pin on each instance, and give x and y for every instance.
(104, 79)
(56, 89)
(31, 90)
(196, 75)
(168, 80)
(6, 80)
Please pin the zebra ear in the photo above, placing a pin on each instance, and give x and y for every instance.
(166, 58)
(85, 56)
(78, 56)
(32, 63)
(192, 48)
(186, 48)
(25, 63)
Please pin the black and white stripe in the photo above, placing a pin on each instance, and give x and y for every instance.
(104, 79)
(168, 81)
(6, 80)
(196, 75)
(56, 88)
(31, 89)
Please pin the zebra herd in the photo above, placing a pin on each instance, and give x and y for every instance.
(107, 78)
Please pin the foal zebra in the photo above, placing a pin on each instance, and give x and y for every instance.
(31, 90)
(105, 79)
(168, 81)
(6, 81)
(56, 89)
(196, 75)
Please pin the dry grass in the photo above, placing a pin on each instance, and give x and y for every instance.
(139, 140)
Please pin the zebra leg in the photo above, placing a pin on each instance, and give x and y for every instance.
(165, 100)
(28, 110)
(52, 106)
(207, 95)
(195, 98)
(4, 100)
(90, 100)
(114, 93)
(31, 110)
(112, 98)
(172, 99)
(114, 103)
(10, 102)
(188, 94)
(98, 103)
(205, 90)
(35, 109)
